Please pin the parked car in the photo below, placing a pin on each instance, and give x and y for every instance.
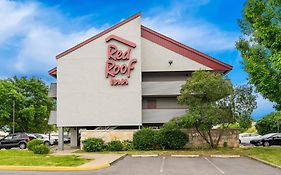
(245, 138)
(66, 138)
(15, 140)
(56, 138)
(268, 140)
(45, 139)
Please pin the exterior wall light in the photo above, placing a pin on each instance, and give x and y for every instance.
(171, 62)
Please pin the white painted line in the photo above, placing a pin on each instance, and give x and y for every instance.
(221, 171)
(184, 156)
(144, 155)
(162, 165)
(225, 156)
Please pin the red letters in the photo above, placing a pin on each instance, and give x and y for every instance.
(112, 68)
(115, 54)
(115, 82)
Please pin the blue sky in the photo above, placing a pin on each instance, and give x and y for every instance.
(33, 32)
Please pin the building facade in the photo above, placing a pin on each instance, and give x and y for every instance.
(124, 77)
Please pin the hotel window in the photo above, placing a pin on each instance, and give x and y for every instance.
(151, 104)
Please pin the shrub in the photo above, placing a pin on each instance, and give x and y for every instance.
(144, 139)
(93, 145)
(269, 123)
(128, 145)
(114, 145)
(171, 138)
(41, 149)
(33, 143)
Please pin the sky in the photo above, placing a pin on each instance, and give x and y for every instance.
(33, 32)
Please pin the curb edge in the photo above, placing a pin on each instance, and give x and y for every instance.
(264, 162)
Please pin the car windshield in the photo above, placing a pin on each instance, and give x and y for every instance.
(268, 135)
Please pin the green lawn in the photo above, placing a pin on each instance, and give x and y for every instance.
(27, 158)
(269, 154)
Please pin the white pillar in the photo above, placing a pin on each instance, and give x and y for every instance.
(61, 138)
(74, 137)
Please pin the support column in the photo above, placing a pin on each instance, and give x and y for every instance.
(73, 137)
(61, 138)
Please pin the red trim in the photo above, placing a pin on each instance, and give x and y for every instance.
(183, 50)
(97, 36)
(122, 40)
(53, 72)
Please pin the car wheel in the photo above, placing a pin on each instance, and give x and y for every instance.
(239, 141)
(47, 143)
(266, 144)
(22, 145)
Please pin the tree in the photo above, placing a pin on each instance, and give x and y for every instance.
(260, 47)
(32, 105)
(269, 123)
(212, 101)
(242, 103)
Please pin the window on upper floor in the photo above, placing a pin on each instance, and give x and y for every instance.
(151, 104)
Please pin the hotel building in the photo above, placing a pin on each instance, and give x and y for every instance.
(124, 77)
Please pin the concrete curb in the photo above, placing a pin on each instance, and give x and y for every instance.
(184, 156)
(264, 162)
(144, 155)
(225, 156)
(116, 160)
(46, 168)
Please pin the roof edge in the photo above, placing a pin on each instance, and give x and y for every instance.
(98, 35)
(53, 72)
(226, 67)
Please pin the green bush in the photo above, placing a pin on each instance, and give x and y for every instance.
(114, 145)
(33, 143)
(41, 149)
(93, 145)
(171, 138)
(144, 139)
(128, 145)
(269, 123)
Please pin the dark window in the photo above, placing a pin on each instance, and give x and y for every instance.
(151, 104)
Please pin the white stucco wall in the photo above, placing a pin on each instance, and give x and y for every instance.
(85, 96)
(156, 58)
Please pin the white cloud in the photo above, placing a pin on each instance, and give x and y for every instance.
(37, 41)
(13, 15)
(196, 33)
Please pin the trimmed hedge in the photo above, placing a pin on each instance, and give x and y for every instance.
(41, 149)
(114, 145)
(144, 139)
(171, 139)
(128, 145)
(93, 145)
(33, 143)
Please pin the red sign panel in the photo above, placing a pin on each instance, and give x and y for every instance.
(115, 57)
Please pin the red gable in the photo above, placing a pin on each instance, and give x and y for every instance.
(159, 39)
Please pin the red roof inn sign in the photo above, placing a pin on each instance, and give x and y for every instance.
(115, 58)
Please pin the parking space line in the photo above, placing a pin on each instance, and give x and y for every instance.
(221, 171)
(162, 165)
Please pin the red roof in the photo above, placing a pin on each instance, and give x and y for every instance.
(183, 50)
(159, 39)
(53, 72)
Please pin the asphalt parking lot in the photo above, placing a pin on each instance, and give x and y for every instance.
(169, 165)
